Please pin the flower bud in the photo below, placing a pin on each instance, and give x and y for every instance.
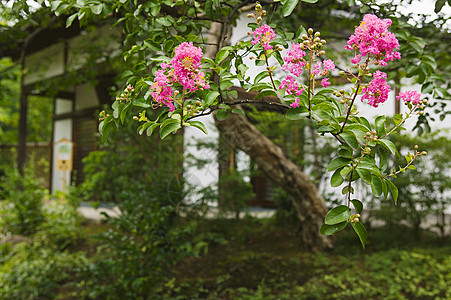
(263, 12)
(421, 112)
(310, 31)
(258, 7)
(304, 36)
(357, 215)
(323, 42)
(317, 40)
(322, 52)
(415, 147)
(259, 19)
(356, 220)
(317, 34)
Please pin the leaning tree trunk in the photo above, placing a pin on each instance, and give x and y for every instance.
(238, 132)
(308, 202)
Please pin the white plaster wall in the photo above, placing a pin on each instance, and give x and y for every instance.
(62, 129)
(207, 175)
(44, 64)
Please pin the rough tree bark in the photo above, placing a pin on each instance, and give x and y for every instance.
(308, 202)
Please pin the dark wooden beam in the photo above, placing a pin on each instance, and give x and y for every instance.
(22, 141)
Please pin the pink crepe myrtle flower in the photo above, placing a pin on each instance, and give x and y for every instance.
(329, 64)
(186, 64)
(263, 35)
(161, 91)
(296, 103)
(409, 96)
(325, 82)
(372, 37)
(291, 86)
(294, 61)
(184, 68)
(317, 68)
(377, 90)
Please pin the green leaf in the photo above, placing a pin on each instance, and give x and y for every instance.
(350, 138)
(357, 205)
(238, 112)
(168, 45)
(337, 215)
(331, 229)
(296, 113)
(310, 1)
(388, 145)
(97, 9)
(125, 111)
(393, 190)
(225, 84)
(376, 185)
(336, 179)
(222, 114)
(380, 125)
(165, 21)
(365, 175)
(199, 125)
(361, 232)
(169, 126)
(210, 98)
(288, 7)
(221, 55)
(337, 163)
(345, 151)
(370, 166)
(141, 104)
(301, 31)
(151, 129)
(357, 126)
(439, 5)
(70, 19)
(260, 76)
(265, 93)
(383, 161)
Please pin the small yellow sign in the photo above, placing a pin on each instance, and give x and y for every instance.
(64, 152)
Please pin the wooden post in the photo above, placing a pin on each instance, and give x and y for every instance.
(23, 110)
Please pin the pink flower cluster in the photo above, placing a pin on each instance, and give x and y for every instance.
(161, 90)
(294, 61)
(292, 87)
(377, 90)
(184, 68)
(372, 37)
(409, 96)
(263, 35)
(319, 70)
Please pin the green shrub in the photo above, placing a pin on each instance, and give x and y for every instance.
(21, 209)
(35, 272)
(61, 227)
